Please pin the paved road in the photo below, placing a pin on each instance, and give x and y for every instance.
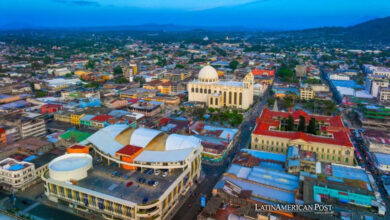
(191, 207)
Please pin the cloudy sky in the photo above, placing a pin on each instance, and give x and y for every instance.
(257, 14)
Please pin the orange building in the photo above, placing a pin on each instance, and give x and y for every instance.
(77, 149)
(3, 137)
(127, 154)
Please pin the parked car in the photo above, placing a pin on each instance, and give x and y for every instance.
(113, 173)
(118, 174)
(145, 200)
(126, 177)
(150, 172)
(155, 183)
(165, 174)
(157, 172)
(129, 184)
(151, 182)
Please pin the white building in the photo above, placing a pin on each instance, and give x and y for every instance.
(137, 173)
(215, 93)
(15, 175)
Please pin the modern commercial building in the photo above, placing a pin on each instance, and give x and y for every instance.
(28, 124)
(128, 174)
(217, 94)
(330, 142)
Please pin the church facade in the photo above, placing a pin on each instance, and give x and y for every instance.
(217, 94)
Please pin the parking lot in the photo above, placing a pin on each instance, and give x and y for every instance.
(102, 179)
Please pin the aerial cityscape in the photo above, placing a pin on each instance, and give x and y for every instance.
(183, 110)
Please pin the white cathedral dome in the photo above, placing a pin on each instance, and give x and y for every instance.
(208, 74)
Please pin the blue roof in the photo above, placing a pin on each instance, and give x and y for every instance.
(262, 191)
(225, 131)
(30, 158)
(349, 173)
(294, 163)
(118, 113)
(270, 165)
(274, 178)
(266, 155)
(347, 83)
(16, 167)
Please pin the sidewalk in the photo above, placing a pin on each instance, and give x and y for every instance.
(183, 199)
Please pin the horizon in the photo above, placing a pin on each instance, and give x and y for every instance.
(276, 15)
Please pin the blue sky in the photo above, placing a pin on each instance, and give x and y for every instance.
(258, 14)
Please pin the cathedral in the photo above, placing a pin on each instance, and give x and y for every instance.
(217, 94)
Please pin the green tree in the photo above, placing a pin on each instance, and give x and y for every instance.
(234, 64)
(40, 93)
(182, 109)
(90, 64)
(312, 126)
(179, 66)
(290, 123)
(118, 70)
(211, 110)
(302, 124)
(121, 80)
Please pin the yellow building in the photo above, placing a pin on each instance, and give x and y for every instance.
(75, 118)
(163, 85)
(331, 144)
(215, 93)
(306, 92)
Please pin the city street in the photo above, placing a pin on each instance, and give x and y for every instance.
(191, 208)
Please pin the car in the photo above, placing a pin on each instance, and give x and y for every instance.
(157, 172)
(151, 182)
(118, 174)
(113, 173)
(126, 177)
(165, 174)
(224, 205)
(146, 171)
(129, 184)
(145, 200)
(150, 172)
(155, 183)
(142, 180)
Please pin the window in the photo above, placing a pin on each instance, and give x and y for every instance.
(256, 140)
(209, 91)
(235, 98)
(201, 90)
(346, 160)
(224, 98)
(78, 196)
(230, 97)
(211, 101)
(216, 101)
(196, 90)
(240, 99)
(69, 192)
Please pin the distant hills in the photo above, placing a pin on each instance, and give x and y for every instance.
(376, 30)
(373, 30)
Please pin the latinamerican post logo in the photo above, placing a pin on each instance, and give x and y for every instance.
(309, 208)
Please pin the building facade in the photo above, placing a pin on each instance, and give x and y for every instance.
(217, 94)
(140, 150)
(331, 145)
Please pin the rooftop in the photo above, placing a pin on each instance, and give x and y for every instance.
(332, 124)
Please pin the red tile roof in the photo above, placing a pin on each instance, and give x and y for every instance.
(101, 118)
(332, 124)
(129, 150)
(262, 72)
